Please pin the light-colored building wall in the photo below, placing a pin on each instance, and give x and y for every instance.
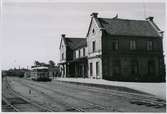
(62, 51)
(76, 52)
(94, 35)
(93, 61)
(86, 51)
(63, 70)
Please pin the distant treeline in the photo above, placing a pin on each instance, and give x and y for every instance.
(20, 72)
(14, 72)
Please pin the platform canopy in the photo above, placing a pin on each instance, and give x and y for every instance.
(40, 67)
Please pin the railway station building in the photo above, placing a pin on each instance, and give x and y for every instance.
(115, 49)
(73, 59)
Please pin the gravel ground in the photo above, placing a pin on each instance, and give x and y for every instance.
(157, 89)
(63, 96)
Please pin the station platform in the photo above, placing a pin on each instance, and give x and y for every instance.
(156, 89)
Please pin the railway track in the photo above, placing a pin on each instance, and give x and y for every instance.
(138, 99)
(8, 107)
(69, 107)
(15, 102)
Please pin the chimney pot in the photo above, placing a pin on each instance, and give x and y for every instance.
(63, 35)
(150, 18)
(94, 14)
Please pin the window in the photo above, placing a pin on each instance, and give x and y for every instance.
(149, 45)
(79, 53)
(93, 46)
(75, 56)
(93, 31)
(91, 69)
(151, 67)
(83, 51)
(132, 44)
(97, 68)
(62, 56)
(116, 67)
(134, 67)
(115, 45)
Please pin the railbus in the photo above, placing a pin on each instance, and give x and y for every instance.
(40, 73)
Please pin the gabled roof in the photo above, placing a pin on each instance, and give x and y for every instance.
(97, 22)
(125, 27)
(75, 43)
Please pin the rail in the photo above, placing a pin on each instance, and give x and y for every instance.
(14, 93)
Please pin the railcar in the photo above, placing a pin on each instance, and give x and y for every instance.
(40, 74)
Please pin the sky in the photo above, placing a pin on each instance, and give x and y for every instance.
(32, 30)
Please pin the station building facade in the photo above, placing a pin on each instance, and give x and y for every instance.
(73, 57)
(115, 49)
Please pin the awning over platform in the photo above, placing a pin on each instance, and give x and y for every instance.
(78, 60)
(75, 60)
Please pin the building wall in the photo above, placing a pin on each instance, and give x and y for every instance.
(124, 43)
(123, 58)
(125, 67)
(94, 34)
(63, 70)
(76, 52)
(93, 61)
(118, 64)
(69, 54)
(62, 51)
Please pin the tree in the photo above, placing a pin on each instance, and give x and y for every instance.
(37, 63)
(51, 63)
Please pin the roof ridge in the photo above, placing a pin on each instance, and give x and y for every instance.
(123, 19)
(74, 38)
(128, 27)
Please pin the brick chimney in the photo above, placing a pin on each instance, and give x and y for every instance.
(63, 35)
(150, 18)
(94, 14)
